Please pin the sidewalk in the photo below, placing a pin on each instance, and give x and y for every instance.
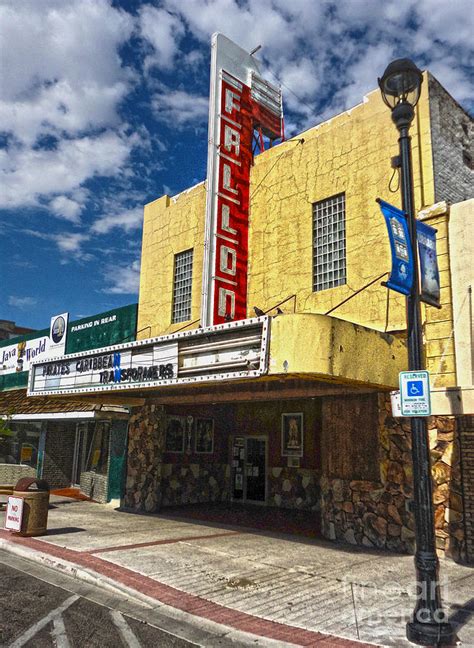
(294, 590)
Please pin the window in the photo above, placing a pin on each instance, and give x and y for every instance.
(19, 442)
(183, 276)
(350, 445)
(98, 451)
(329, 243)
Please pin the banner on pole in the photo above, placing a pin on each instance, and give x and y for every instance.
(401, 276)
(429, 273)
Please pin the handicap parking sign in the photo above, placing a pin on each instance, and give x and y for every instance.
(415, 393)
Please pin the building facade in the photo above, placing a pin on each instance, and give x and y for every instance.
(293, 408)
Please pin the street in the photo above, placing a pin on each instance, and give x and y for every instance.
(43, 609)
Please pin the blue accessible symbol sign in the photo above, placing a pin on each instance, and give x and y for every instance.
(415, 388)
(415, 393)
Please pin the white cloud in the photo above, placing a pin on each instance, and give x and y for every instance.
(163, 32)
(125, 280)
(23, 303)
(66, 208)
(62, 80)
(330, 54)
(127, 220)
(27, 174)
(60, 68)
(180, 108)
(70, 243)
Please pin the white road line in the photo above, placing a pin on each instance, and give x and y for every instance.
(39, 625)
(59, 634)
(124, 629)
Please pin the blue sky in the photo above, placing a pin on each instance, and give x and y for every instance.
(103, 107)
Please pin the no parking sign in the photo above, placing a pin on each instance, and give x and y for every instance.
(14, 514)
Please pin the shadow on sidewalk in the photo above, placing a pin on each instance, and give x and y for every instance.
(302, 527)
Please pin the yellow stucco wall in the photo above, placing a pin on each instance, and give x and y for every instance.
(438, 323)
(461, 246)
(170, 226)
(349, 153)
(305, 344)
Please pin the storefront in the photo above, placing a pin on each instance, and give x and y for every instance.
(68, 443)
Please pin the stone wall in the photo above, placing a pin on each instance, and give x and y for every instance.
(95, 486)
(295, 488)
(376, 513)
(447, 487)
(11, 473)
(146, 439)
(194, 483)
(451, 133)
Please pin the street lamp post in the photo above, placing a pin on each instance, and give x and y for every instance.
(400, 86)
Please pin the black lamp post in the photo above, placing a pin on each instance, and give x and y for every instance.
(400, 86)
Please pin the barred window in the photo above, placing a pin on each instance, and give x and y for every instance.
(183, 277)
(329, 243)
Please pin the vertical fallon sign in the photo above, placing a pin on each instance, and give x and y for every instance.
(240, 100)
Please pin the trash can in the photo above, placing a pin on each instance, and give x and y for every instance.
(35, 494)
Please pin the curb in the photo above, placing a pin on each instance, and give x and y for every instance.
(234, 622)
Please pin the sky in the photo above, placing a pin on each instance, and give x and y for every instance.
(104, 107)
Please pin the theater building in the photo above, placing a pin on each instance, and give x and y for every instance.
(269, 345)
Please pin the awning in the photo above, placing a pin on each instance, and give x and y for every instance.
(16, 406)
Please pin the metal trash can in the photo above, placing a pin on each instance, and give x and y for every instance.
(35, 494)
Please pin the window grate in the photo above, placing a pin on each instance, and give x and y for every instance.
(183, 278)
(329, 243)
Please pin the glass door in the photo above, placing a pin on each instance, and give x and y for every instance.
(255, 469)
(249, 469)
(78, 460)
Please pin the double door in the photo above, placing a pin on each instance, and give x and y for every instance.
(249, 469)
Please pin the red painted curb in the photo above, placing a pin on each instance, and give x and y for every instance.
(186, 602)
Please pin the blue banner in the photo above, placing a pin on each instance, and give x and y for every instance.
(429, 273)
(401, 277)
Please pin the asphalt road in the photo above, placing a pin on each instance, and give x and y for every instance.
(42, 609)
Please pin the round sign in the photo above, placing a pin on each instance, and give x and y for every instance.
(58, 329)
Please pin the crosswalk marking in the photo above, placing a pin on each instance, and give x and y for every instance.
(59, 634)
(39, 625)
(124, 629)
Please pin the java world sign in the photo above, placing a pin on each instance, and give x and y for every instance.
(240, 102)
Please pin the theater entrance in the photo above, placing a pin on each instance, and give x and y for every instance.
(249, 469)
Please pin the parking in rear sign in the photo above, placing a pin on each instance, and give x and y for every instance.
(415, 393)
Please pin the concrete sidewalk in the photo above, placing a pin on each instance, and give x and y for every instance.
(290, 589)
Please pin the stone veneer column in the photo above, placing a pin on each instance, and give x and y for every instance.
(146, 440)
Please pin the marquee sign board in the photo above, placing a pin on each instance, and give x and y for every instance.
(239, 101)
(227, 351)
